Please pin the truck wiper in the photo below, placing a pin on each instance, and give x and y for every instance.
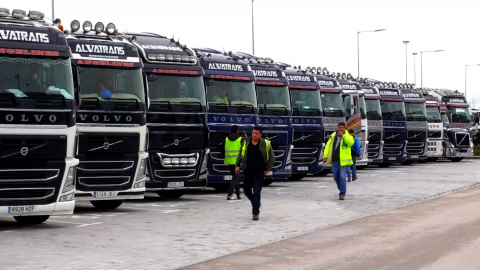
(280, 110)
(244, 105)
(192, 103)
(159, 104)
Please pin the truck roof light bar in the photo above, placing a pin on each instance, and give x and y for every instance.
(4, 12)
(19, 14)
(111, 29)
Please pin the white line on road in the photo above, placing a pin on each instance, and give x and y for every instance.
(91, 224)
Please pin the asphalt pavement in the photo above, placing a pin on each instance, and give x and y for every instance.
(162, 234)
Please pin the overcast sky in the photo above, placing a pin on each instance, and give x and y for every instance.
(308, 32)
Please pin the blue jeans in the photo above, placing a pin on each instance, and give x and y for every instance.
(353, 168)
(253, 180)
(339, 174)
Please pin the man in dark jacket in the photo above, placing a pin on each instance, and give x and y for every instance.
(233, 144)
(256, 158)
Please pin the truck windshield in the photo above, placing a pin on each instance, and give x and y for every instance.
(415, 111)
(393, 110)
(332, 104)
(28, 77)
(361, 102)
(166, 89)
(373, 109)
(306, 102)
(110, 84)
(274, 99)
(433, 115)
(231, 93)
(459, 114)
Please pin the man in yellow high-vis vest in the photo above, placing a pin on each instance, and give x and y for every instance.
(233, 144)
(338, 153)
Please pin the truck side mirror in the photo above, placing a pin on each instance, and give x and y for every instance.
(76, 85)
(146, 91)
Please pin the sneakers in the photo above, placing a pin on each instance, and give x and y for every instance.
(256, 217)
(349, 179)
(341, 197)
(354, 178)
(230, 197)
(239, 197)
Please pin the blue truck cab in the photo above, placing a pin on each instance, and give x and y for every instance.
(307, 113)
(274, 113)
(231, 100)
(394, 124)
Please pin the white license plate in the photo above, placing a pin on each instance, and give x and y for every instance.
(392, 158)
(415, 156)
(104, 194)
(270, 173)
(227, 177)
(302, 168)
(21, 209)
(175, 184)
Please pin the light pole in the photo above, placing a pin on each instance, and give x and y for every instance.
(406, 60)
(421, 64)
(253, 33)
(414, 68)
(466, 77)
(53, 10)
(358, 47)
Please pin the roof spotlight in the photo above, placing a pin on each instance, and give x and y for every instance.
(19, 14)
(111, 28)
(75, 25)
(99, 27)
(87, 26)
(4, 12)
(35, 15)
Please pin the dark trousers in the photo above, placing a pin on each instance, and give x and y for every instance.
(253, 180)
(234, 184)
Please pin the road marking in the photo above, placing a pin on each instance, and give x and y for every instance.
(10, 231)
(91, 224)
(68, 222)
(170, 211)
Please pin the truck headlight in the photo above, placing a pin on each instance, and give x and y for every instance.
(142, 170)
(70, 180)
(289, 155)
(203, 168)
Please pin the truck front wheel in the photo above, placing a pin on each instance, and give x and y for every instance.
(31, 220)
(106, 205)
(456, 159)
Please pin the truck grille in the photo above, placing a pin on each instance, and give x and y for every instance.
(434, 134)
(373, 150)
(304, 156)
(32, 181)
(415, 148)
(105, 181)
(393, 149)
(462, 139)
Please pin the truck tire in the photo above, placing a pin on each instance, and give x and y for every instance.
(407, 162)
(456, 159)
(384, 165)
(267, 182)
(221, 187)
(106, 205)
(324, 172)
(296, 177)
(31, 220)
(423, 161)
(432, 159)
(171, 194)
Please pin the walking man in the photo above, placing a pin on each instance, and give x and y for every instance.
(233, 144)
(338, 152)
(356, 153)
(256, 161)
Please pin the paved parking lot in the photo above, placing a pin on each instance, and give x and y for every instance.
(159, 234)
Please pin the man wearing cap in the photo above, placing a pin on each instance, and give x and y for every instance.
(338, 153)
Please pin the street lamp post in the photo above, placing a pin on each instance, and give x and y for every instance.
(406, 60)
(358, 47)
(414, 68)
(421, 64)
(466, 77)
(253, 33)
